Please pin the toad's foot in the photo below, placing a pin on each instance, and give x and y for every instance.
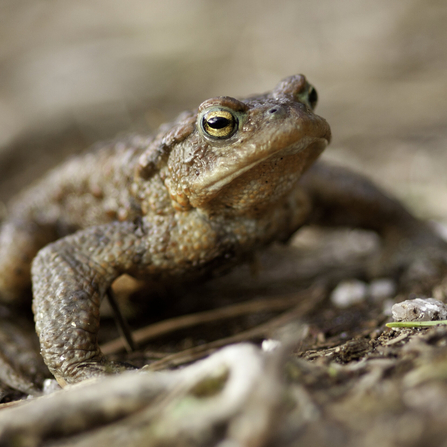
(88, 370)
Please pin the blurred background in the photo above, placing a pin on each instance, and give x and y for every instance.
(73, 73)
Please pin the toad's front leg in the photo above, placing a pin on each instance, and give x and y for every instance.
(70, 277)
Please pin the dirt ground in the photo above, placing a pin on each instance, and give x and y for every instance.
(73, 74)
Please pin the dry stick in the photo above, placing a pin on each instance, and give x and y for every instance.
(173, 324)
(121, 322)
(192, 354)
(11, 404)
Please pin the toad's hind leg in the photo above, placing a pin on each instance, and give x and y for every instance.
(411, 248)
(20, 240)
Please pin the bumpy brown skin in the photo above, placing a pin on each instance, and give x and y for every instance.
(178, 205)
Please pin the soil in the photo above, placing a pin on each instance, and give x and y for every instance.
(380, 72)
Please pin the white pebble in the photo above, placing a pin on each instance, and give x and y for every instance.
(348, 293)
(440, 228)
(50, 386)
(419, 309)
(382, 288)
(387, 307)
(270, 345)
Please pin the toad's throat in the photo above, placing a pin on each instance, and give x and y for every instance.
(231, 171)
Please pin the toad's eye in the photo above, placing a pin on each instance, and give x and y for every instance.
(219, 124)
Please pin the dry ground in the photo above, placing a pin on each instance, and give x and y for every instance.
(72, 74)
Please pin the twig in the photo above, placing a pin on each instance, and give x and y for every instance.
(11, 404)
(121, 322)
(398, 339)
(155, 330)
(192, 354)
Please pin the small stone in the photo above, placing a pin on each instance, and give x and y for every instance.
(419, 309)
(50, 386)
(440, 228)
(382, 288)
(270, 345)
(387, 307)
(348, 293)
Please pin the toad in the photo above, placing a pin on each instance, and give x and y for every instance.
(200, 195)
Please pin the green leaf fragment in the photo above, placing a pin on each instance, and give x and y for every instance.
(417, 323)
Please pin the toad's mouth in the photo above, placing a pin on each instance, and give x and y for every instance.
(228, 170)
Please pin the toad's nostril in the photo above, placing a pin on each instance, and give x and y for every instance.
(275, 112)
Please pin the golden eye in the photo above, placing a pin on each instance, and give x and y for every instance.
(219, 124)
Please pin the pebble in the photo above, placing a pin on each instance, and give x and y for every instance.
(50, 386)
(353, 291)
(348, 293)
(387, 307)
(419, 309)
(270, 345)
(441, 229)
(382, 288)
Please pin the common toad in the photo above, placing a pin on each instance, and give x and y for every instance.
(200, 195)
